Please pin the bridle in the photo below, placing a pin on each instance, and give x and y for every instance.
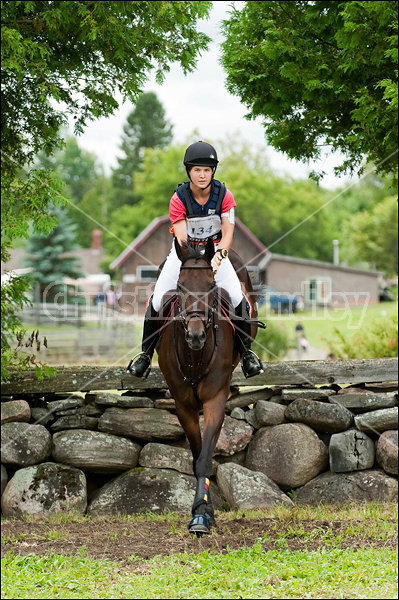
(184, 317)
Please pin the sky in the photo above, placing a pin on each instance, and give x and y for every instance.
(199, 102)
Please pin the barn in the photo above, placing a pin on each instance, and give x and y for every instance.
(317, 282)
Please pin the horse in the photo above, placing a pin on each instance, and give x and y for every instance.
(197, 355)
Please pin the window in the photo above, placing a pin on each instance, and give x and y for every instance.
(147, 273)
(317, 290)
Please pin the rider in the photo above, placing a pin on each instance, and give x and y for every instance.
(200, 208)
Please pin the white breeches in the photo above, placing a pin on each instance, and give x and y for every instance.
(226, 278)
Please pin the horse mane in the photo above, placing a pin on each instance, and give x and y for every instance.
(194, 252)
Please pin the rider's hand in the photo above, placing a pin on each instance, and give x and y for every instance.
(215, 262)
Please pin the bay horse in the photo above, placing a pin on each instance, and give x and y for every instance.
(197, 355)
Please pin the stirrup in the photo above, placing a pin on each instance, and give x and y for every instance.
(147, 371)
(256, 371)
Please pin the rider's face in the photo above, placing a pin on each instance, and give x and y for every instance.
(201, 176)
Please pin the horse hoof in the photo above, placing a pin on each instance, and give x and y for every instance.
(199, 525)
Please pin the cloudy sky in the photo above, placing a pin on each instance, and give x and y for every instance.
(200, 102)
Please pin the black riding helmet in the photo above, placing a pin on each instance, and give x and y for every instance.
(200, 154)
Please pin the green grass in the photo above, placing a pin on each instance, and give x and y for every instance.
(246, 573)
(249, 572)
(319, 324)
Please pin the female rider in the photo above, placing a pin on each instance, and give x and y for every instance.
(201, 208)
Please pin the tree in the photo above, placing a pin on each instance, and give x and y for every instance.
(146, 127)
(80, 172)
(162, 171)
(50, 258)
(373, 236)
(319, 73)
(70, 58)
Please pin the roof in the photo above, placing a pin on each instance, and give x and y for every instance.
(313, 263)
(155, 223)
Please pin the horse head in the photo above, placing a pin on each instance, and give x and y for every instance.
(196, 292)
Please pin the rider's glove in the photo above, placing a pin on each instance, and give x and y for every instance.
(215, 262)
(217, 259)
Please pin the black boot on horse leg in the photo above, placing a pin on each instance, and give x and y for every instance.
(202, 509)
(142, 366)
(251, 364)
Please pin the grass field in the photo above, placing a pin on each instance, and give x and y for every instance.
(319, 325)
(356, 560)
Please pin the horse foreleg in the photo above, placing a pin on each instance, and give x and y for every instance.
(202, 509)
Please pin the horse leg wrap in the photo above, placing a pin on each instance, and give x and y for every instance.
(201, 494)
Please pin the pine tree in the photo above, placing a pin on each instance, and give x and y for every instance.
(49, 255)
(146, 127)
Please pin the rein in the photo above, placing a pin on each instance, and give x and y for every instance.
(184, 320)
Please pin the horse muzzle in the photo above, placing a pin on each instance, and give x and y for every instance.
(195, 339)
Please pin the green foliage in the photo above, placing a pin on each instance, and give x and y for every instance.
(48, 255)
(146, 127)
(373, 235)
(61, 58)
(319, 73)
(272, 343)
(161, 172)
(379, 339)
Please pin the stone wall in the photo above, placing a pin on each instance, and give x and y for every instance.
(103, 452)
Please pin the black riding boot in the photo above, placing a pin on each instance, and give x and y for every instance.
(251, 364)
(141, 367)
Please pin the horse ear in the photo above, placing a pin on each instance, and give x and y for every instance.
(180, 251)
(209, 250)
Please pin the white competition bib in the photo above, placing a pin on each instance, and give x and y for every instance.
(200, 228)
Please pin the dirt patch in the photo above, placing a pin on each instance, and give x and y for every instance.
(118, 539)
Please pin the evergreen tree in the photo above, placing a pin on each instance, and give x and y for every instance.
(146, 127)
(48, 255)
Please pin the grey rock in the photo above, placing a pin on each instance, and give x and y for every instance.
(238, 413)
(244, 489)
(15, 410)
(144, 424)
(148, 489)
(41, 416)
(342, 488)
(89, 410)
(23, 444)
(250, 418)
(366, 401)
(72, 401)
(238, 458)
(244, 399)
(165, 403)
(351, 450)
(290, 454)
(321, 416)
(45, 488)
(387, 452)
(291, 394)
(163, 456)
(109, 399)
(74, 422)
(234, 436)
(378, 420)
(95, 451)
(269, 413)
(4, 478)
